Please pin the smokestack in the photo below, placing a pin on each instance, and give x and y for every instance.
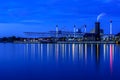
(110, 26)
(56, 30)
(74, 30)
(85, 29)
(97, 27)
(97, 30)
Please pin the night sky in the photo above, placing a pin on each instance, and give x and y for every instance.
(21, 16)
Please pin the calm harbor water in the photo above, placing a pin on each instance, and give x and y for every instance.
(59, 61)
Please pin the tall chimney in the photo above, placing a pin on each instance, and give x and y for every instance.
(110, 27)
(97, 27)
(74, 30)
(85, 28)
(56, 30)
(97, 31)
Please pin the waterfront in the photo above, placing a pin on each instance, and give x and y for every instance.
(59, 61)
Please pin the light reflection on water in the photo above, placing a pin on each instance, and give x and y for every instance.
(111, 57)
(87, 57)
(76, 52)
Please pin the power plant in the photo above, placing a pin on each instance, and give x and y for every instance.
(97, 34)
(77, 35)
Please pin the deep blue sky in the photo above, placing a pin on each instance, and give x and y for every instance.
(21, 16)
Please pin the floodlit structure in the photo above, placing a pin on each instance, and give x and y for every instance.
(97, 34)
(110, 27)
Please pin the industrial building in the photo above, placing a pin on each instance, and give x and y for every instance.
(97, 34)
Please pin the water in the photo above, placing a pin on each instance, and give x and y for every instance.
(59, 62)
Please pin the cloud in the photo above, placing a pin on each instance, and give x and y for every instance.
(37, 10)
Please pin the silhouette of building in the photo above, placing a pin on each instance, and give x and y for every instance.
(97, 31)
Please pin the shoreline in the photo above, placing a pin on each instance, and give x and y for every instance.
(64, 42)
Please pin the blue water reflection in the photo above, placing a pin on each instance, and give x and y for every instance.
(59, 61)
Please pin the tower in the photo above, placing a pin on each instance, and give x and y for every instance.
(110, 27)
(97, 31)
(74, 30)
(85, 28)
(56, 30)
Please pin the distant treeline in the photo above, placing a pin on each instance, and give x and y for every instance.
(11, 39)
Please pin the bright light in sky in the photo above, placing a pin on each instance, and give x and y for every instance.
(38, 15)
